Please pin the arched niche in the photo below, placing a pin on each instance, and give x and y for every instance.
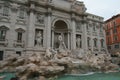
(60, 27)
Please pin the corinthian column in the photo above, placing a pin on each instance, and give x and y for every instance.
(73, 34)
(31, 28)
(84, 37)
(48, 29)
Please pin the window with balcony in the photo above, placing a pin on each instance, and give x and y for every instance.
(101, 29)
(95, 42)
(19, 42)
(102, 43)
(94, 28)
(108, 40)
(114, 30)
(115, 38)
(3, 31)
(19, 37)
(88, 42)
(114, 24)
(2, 35)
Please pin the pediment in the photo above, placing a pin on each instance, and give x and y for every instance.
(20, 30)
(4, 27)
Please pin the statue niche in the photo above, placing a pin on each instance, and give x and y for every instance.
(60, 33)
(39, 38)
(78, 41)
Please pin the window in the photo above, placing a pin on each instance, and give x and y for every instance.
(107, 33)
(94, 27)
(114, 24)
(114, 30)
(116, 46)
(109, 47)
(101, 28)
(115, 38)
(102, 43)
(2, 34)
(95, 42)
(88, 41)
(18, 52)
(5, 11)
(1, 55)
(21, 13)
(87, 27)
(19, 37)
(78, 26)
(108, 40)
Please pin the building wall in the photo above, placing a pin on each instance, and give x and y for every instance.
(23, 22)
(112, 27)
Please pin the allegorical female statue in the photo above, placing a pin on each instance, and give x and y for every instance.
(78, 42)
(39, 39)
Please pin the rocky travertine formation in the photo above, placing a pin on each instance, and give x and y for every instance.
(50, 64)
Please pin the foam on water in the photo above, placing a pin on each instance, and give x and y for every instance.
(92, 76)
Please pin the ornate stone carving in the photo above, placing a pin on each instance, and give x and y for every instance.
(78, 6)
(79, 26)
(40, 19)
(14, 6)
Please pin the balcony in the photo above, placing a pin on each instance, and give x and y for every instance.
(88, 32)
(78, 30)
(18, 43)
(4, 17)
(101, 34)
(21, 20)
(94, 33)
(95, 49)
(103, 49)
(4, 42)
(89, 47)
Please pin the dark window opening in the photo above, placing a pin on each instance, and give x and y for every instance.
(19, 38)
(2, 35)
(18, 52)
(1, 55)
(116, 46)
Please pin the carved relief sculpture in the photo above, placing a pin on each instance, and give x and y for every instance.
(40, 19)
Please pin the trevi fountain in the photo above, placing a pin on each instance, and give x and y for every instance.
(53, 40)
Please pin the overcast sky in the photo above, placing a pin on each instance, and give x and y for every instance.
(104, 8)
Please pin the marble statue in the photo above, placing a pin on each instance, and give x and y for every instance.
(62, 46)
(78, 42)
(39, 39)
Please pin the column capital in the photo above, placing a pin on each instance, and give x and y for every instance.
(73, 17)
(49, 12)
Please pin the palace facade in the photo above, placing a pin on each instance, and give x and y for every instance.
(32, 26)
(112, 28)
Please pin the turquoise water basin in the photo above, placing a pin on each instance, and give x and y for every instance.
(96, 76)
(7, 75)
